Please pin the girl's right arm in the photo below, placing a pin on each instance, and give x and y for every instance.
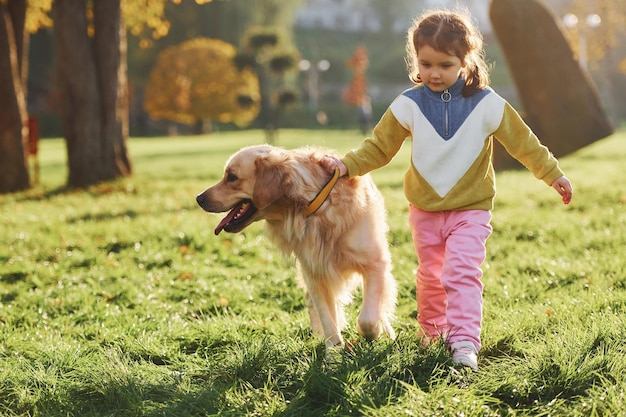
(376, 151)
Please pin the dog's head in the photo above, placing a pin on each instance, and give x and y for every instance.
(255, 180)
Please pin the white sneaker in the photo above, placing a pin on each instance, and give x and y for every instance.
(464, 353)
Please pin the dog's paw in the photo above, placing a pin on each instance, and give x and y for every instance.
(369, 330)
(335, 341)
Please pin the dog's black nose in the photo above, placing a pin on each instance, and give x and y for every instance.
(200, 199)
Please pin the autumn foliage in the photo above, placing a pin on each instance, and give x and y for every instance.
(198, 80)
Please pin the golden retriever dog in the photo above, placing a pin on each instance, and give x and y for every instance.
(343, 239)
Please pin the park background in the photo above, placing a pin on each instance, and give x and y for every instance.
(116, 299)
(100, 72)
(326, 33)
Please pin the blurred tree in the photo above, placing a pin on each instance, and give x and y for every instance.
(197, 81)
(225, 20)
(17, 19)
(264, 52)
(14, 174)
(561, 104)
(91, 82)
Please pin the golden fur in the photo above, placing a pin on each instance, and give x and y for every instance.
(344, 240)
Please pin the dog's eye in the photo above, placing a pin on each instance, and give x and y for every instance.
(230, 177)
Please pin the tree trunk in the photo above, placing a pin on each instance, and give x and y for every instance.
(14, 174)
(561, 101)
(92, 79)
(110, 47)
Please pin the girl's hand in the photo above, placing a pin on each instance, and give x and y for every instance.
(564, 188)
(331, 162)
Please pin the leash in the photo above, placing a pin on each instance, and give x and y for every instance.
(319, 199)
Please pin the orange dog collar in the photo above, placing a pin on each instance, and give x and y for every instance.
(319, 199)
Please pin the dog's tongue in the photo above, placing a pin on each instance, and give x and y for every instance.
(229, 217)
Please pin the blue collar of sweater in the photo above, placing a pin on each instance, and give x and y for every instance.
(455, 90)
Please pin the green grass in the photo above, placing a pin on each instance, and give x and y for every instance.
(120, 301)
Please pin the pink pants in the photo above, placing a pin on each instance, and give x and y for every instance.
(450, 247)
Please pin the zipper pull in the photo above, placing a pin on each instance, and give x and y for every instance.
(446, 96)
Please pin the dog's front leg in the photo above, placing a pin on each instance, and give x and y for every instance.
(316, 325)
(379, 299)
(325, 312)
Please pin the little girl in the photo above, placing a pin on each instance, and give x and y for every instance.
(452, 117)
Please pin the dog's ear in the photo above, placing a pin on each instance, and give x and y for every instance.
(270, 185)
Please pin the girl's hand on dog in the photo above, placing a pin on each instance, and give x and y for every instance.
(331, 162)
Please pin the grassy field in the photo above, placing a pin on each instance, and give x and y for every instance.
(120, 301)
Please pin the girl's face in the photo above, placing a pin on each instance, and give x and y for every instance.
(438, 70)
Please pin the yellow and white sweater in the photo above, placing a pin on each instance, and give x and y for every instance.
(452, 147)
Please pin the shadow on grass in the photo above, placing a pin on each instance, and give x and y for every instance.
(104, 188)
(262, 376)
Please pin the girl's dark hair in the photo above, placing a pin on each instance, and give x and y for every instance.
(452, 33)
